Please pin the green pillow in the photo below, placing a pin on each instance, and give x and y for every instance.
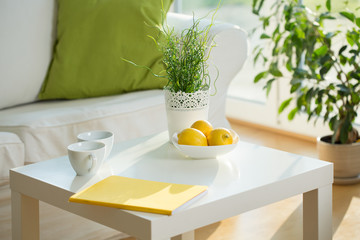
(92, 38)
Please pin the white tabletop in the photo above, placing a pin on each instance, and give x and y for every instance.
(251, 176)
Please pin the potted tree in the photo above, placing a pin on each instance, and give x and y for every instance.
(321, 64)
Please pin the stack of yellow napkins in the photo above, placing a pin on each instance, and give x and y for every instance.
(139, 195)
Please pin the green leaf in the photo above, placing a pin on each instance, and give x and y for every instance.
(264, 36)
(326, 60)
(342, 49)
(301, 102)
(258, 54)
(289, 65)
(348, 15)
(353, 51)
(309, 95)
(328, 5)
(321, 51)
(343, 60)
(300, 33)
(310, 115)
(349, 39)
(276, 31)
(275, 71)
(289, 26)
(357, 21)
(266, 21)
(331, 98)
(326, 16)
(295, 87)
(268, 86)
(324, 70)
(284, 104)
(254, 10)
(293, 113)
(355, 75)
(319, 109)
(355, 98)
(256, 6)
(259, 76)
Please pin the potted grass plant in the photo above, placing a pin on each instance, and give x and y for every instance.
(185, 57)
(317, 52)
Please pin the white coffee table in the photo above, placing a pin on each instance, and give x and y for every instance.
(249, 177)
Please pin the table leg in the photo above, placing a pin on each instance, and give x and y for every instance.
(317, 214)
(185, 236)
(25, 217)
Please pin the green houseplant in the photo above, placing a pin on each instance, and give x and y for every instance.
(185, 54)
(185, 59)
(320, 61)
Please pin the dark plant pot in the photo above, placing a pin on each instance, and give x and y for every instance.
(345, 157)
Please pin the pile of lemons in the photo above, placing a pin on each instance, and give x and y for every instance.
(202, 133)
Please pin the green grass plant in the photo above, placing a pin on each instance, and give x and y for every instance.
(185, 55)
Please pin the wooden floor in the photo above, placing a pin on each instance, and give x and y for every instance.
(278, 221)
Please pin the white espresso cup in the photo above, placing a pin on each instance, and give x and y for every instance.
(105, 137)
(86, 157)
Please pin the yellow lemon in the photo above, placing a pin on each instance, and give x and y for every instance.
(204, 126)
(192, 136)
(220, 136)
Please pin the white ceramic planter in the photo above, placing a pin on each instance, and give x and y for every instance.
(183, 109)
(345, 157)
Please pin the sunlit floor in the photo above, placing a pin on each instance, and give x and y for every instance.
(281, 220)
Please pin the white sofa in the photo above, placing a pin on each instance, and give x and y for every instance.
(32, 131)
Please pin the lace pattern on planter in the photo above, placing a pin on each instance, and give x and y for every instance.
(186, 101)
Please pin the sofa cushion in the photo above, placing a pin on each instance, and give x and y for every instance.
(48, 127)
(26, 44)
(93, 37)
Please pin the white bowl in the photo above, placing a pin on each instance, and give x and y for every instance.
(203, 152)
(105, 137)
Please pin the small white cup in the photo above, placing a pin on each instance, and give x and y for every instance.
(86, 157)
(105, 137)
